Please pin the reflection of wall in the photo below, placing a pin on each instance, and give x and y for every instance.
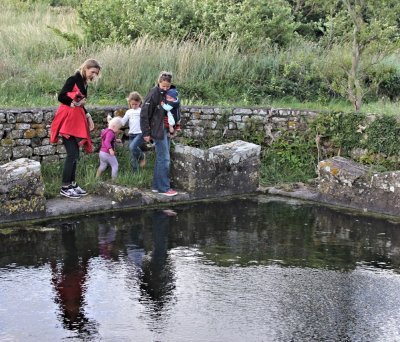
(366, 238)
(255, 230)
(246, 231)
(29, 247)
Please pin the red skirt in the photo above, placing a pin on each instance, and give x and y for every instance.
(71, 121)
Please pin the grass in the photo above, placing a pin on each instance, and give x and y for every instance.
(42, 45)
(87, 168)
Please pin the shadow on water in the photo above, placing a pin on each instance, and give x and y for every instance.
(131, 265)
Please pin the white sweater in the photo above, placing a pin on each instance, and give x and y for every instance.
(133, 115)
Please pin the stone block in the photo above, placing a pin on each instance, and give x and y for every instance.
(347, 183)
(24, 117)
(222, 170)
(22, 142)
(120, 194)
(44, 150)
(21, 190)
(22, 151)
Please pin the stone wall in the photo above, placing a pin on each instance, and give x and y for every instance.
(24, 133)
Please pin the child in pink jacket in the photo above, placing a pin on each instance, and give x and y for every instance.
(107, 150)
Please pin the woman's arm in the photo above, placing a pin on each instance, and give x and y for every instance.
(146, 114)
(68, 87)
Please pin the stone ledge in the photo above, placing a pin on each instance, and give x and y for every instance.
(108, 197)
(346, 184)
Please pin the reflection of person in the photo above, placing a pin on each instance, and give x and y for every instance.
(69, 282)
(132, 116)
(157, 279)
(107, 149)
(153, 126)
(172, 106)
(72, 122)
(106, 239)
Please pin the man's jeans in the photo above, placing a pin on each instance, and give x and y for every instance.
(135, 140)
(161, 167)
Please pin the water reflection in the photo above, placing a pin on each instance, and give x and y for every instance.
(69, 279)
(106, 237)
(157, 276)
(238, 270)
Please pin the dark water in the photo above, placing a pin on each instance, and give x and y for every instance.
(257, 269)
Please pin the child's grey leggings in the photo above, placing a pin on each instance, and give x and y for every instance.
(107, 159)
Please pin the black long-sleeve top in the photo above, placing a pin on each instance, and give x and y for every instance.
(68, 87)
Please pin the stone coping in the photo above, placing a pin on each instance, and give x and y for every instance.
(61, 207)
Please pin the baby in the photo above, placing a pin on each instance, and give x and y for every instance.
(172, 106)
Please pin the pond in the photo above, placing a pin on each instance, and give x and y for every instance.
(245, 269)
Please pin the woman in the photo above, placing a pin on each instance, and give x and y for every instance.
(72, 122)
(154, 125)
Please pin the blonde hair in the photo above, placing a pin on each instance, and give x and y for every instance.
(165, 76)
(115, 122)
(88, 64)
(134, 96)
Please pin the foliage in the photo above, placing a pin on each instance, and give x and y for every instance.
(41, 45)
(342, 130)
(383, 136)
(252, 132)
(247, 21)
(106, 21)
(292, 157)
(366, 32)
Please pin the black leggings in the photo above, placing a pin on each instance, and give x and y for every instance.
(72, 148)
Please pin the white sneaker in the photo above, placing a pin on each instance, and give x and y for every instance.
(69, 192)
(79, 190)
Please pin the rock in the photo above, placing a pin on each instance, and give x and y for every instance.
(347, 183)
(21, 190)
(120, 194)
(222, 170)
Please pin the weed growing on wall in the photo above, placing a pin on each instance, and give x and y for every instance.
(383, 143)
(254, 131)
(292, 157)
(336, 133)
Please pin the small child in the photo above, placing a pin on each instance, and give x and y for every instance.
(132, 116)
(107, 150)
(172, 106)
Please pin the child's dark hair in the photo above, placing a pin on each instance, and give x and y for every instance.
(134, 96)
(165, 76)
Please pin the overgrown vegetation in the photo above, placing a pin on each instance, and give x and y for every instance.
(294, 155)
(286, 53)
